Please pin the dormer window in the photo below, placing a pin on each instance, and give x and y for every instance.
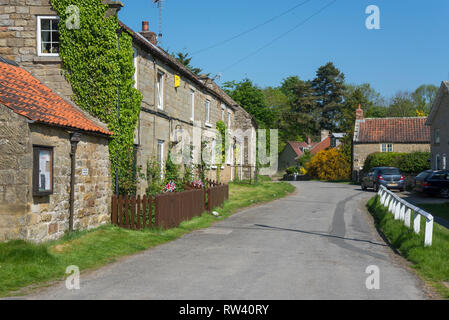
(47, 36)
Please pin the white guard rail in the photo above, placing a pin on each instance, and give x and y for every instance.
(402, 210)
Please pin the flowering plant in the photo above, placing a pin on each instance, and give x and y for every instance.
(198, 184)
(170, 187)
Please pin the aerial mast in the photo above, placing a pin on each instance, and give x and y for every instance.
(159, 6)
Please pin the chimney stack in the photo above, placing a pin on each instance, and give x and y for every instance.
(147, 34)
(359, 113)
(324, 134)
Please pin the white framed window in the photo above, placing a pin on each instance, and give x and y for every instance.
(160, 90)
(444, 162)
(437, 136)
(386, 147)
(136, 67)
(192, 104)
(208, 114)
(437, 162)
(160, 156)
(48, 36)
(42, 170)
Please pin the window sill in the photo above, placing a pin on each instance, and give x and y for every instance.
(208, 125)
(47, 59)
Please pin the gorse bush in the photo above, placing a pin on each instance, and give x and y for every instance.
(412, 163)
(329, 165)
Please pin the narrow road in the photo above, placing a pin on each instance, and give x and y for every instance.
(315, 244)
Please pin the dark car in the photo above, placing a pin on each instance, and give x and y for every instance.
(433, 182)
(390, 177)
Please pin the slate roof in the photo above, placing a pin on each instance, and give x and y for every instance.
(392, 130)
(27, 96)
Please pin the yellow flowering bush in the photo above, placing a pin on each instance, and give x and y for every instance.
(329, 165)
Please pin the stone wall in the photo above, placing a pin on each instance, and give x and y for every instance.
(361, 151)
(18, 42)
(24, 216)
(15, 174)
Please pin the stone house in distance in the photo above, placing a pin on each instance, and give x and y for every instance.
(54, 161)
(371, 135)
(439, 128)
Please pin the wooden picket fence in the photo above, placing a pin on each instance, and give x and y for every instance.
(167, 210)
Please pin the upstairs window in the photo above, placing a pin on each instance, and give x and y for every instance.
(47, 36)
(192, 104)
(208, 113)
(42, 170)
(387, 147)
(160, 90)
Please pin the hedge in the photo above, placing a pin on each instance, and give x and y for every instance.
(411, 163)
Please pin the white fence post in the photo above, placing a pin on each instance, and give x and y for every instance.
(402, 210)
(416, 222)
(407, 217)
(429, 232)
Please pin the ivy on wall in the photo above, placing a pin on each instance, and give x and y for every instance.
(96, 66)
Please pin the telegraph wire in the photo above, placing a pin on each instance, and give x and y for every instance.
(251, 29)
(280, 37)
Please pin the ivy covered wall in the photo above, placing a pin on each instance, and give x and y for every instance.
(98, 60)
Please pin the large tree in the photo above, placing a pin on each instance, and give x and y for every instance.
(329, 88)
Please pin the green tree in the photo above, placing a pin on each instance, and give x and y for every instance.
(424, 96)
(186, 60)
(402, 105)
(329, 89)
(252, 99)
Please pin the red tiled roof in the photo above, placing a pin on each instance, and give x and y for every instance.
(27, 96)
(320, 146)
(395, 130)
(296, 147)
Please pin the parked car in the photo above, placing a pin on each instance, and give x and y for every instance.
(390, 177)
(434, 182)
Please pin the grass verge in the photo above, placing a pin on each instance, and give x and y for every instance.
(430, 263)
(23, 264)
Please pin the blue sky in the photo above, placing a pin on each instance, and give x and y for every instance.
(410, 49)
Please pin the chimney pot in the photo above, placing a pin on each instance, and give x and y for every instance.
(145, 26)
(147, 34)
(359, 113)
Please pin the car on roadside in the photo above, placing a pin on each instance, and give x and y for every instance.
(390, 177)
(434, 182)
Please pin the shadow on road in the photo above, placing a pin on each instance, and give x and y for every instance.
(320, 234)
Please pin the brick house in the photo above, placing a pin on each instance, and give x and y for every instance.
(371, 135)
(439, 129)
(54, 161)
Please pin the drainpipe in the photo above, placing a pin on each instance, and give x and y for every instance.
(74, 139)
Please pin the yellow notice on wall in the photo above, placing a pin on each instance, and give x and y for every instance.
(177, 81)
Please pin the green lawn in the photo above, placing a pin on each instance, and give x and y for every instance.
(440, 210)
(24, 264)
(431, 263)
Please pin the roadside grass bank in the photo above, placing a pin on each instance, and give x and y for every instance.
(431, 263)
(441, 209)
(24, 265)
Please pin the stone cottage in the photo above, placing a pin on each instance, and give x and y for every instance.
(177, 100)
(439, 128)
(371, 135)
(54, 161)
